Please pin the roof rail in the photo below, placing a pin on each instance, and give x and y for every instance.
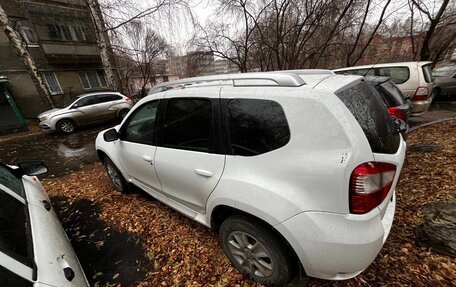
(283, 79)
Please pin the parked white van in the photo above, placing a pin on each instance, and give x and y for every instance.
(413, 78)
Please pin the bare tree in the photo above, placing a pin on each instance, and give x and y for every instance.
(23, 53)
(434, 22)
(371, 37)
(103, 44)
(145, 50)
(111, 15)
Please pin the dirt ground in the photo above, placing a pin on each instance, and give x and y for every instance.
(134, 240)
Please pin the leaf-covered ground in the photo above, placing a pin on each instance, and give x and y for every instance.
(175, 251)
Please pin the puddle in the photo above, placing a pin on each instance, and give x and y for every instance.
(107, 256)
(61, 153)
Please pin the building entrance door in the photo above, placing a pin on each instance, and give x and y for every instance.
(11, 118)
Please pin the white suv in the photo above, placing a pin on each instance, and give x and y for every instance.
(288, 167)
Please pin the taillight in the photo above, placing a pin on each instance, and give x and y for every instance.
(370, 183)
(421, 94)
(395, 112)
(128, 99)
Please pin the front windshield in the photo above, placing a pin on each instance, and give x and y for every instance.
(444, 72)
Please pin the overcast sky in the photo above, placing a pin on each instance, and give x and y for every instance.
(178, 28)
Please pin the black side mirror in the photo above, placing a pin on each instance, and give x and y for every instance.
(33, 167)
(111, 135)
(75, 106)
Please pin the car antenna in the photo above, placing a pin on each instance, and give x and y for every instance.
(365, 74)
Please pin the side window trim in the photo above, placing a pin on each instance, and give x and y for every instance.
(16, 267)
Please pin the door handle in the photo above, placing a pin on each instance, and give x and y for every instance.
(147, 158)
(203, 172)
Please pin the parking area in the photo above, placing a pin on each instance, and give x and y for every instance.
(172, 250)
(134, 240)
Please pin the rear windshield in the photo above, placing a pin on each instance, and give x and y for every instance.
(427, 72)
(368, 108)
(393, 95)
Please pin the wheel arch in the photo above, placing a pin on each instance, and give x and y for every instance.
(101, 155)
(222, 212)
(122, 109)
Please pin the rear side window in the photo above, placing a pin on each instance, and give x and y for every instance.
(393, 95)
(188, 124)
(368, 108)
(256, 126)
(427, 72)
(398, 75)
(106, 98)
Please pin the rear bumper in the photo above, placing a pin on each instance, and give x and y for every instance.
(338, 246)
(419, 107)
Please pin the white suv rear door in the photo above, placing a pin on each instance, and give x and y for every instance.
(189, 160)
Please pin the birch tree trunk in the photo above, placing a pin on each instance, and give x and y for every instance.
(28, 61)
(103, 42)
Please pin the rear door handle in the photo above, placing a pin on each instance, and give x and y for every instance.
(203, 172)
(147, 158)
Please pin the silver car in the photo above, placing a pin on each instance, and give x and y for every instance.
(86, 109)
(34, 249)
(445, 80)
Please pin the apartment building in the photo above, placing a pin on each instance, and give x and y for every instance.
(60, 37)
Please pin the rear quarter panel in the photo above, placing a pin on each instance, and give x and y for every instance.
(310, 173)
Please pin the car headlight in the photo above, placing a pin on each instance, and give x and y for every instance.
(43, 118)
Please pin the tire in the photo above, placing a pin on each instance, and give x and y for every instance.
(66, 126)
(115, 176)
(243, 239)
(122, 114)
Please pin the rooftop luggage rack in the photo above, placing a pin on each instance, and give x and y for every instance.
(281, 79)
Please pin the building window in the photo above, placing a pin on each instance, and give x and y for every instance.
(67, 32)
(78, 33)
(27, 33)
(52, 83)
(92, 79)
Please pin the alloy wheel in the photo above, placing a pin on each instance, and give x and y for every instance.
(114, 176)
(67, 127)
(250, 254)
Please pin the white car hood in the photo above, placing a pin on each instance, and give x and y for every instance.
(52, 249)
